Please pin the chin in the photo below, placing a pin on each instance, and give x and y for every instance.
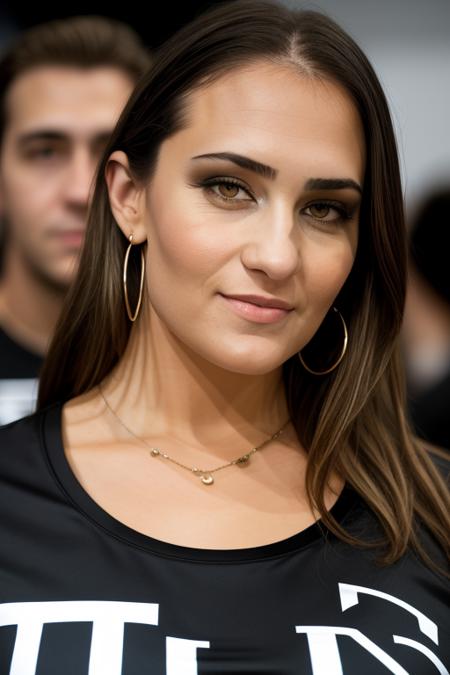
(248, 363)
(67, 271)
(59, 280)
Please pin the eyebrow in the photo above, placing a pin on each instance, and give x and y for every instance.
(51, 135)
(271, 173)
(333, 184)
(244, 162)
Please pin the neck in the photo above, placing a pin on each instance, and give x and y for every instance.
(29, 307)
(161, 387)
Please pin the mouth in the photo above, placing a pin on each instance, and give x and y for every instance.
(256, 312)
(71, 237)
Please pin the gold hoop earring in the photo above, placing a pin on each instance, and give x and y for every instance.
(131, 316)
(340, 357)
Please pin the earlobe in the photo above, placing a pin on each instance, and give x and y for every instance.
(125, 197)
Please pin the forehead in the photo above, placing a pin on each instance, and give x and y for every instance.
(66, 98)
(271, 110)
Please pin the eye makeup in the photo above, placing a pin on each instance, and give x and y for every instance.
(211, 185)
(345, 212)
(208, 184)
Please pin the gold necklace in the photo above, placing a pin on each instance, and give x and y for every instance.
(205, 475)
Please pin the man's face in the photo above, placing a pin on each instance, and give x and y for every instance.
(58, 120)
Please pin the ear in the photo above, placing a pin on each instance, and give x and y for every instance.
(126, 197)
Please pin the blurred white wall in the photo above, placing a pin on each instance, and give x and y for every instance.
(408, 43)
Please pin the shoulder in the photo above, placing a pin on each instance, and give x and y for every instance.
(19, 429)
(17, 360)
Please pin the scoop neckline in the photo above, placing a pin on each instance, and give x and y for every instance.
(53, 447)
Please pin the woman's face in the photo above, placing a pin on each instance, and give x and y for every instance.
(258, 195)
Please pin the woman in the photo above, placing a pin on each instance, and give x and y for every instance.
(220, 477)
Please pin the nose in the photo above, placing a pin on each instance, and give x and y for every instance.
(272, 246)
(78, 182)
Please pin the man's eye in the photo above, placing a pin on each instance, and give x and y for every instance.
(42, 153)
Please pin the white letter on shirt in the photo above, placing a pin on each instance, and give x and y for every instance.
(324, 651)
(107, 618)
(181, 656)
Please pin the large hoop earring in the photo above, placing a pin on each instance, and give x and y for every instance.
(131, 316)
(340, 357)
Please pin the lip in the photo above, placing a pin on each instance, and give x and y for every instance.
(72, 237)
(261, 301)
(253, 312)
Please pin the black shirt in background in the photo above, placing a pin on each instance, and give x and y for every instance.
(81, 593)
(19, 369)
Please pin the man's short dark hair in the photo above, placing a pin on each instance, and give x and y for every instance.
(79, 42)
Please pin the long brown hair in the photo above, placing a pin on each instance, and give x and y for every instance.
(352, 420)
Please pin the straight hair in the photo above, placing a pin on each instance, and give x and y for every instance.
(352, 420)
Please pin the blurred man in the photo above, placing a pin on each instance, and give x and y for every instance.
(63, 85)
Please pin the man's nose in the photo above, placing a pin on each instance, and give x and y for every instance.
(78, 184)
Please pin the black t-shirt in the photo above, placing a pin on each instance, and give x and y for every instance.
(83, 594)
(19, 369)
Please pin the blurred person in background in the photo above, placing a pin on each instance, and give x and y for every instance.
(426, 333)
(63, 85)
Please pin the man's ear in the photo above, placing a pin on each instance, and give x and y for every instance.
(126, 197)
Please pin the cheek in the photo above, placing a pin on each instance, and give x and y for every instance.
(328, 269)
(27, 192)
(183, 242)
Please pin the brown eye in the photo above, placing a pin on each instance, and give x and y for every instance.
(328, 213)
(228, 190)
(319, 211)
